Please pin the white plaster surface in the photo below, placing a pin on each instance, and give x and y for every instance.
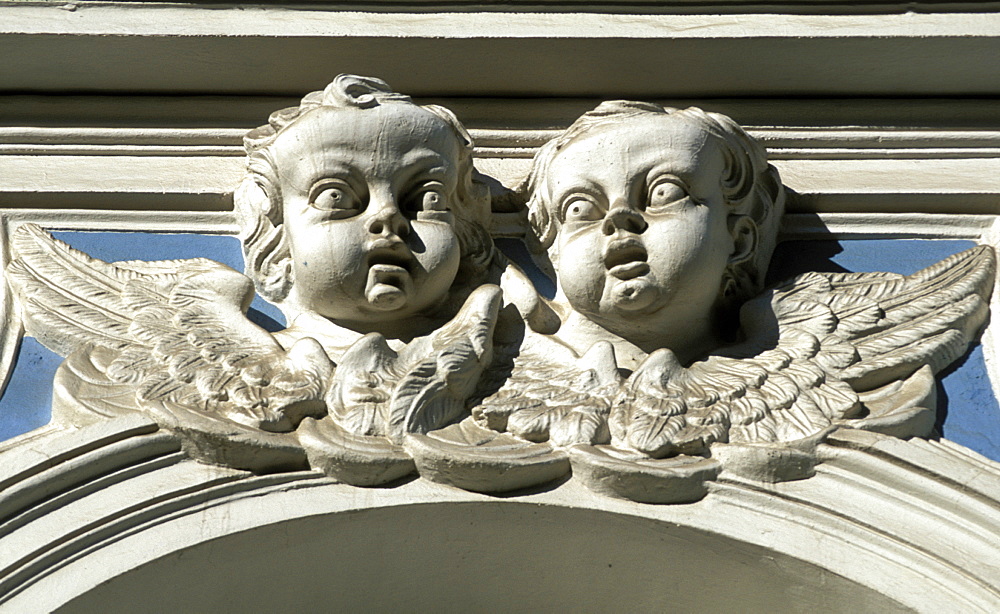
(884, 525)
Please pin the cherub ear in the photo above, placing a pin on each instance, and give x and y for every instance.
(268, 258)
(743, 230)
(541, 221)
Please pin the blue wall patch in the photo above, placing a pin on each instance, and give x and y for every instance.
(27, 402)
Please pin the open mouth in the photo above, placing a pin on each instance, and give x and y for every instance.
(626, 259)
(389, 258)
(390, 264)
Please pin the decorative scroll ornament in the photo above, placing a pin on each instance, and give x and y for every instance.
(660, 362)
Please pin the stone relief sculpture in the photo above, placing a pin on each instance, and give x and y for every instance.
(363, 221)
(660, 362)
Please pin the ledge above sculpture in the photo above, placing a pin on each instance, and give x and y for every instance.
(416, 346)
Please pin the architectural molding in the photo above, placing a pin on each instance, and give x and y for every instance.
(852, 226)
(104, 46)
(926, 171)
(888, 226)
(203, 222)
(901, 535)
(215, 111)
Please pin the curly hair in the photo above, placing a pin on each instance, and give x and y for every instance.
(258, 200)
(751, 187)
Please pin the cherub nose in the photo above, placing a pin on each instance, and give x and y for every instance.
(389, 220)
(623, 218)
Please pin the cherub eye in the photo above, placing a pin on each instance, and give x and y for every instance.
(433, 200)
(580, 209)
(664, 193)
(337, 197)
(429, 199)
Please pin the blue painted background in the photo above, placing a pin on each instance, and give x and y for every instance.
(968, 412)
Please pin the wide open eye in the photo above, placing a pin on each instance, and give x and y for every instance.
(581, 209)
(427, 201)
(336, 197)
(433, 200)
(664, 192)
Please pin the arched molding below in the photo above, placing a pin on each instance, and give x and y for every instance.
(115, 513)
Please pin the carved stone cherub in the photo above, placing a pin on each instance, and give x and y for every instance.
(362, 212)
(365, 221)
(659, 225)
(659, 361)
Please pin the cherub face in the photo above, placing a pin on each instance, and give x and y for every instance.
(643, 240)
(367, 197)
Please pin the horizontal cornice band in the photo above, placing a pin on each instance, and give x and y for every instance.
(107, 47)
(196, 169)
(782, 143)
(164, 19)
(794, 226)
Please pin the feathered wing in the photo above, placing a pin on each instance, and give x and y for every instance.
(379, 392)
(175, 331)
(379, 397)
(549, 394)
(926, 318)
(813, 344)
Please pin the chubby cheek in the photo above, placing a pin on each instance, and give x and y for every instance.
(436, 248)
(329, 256)
(688, 253)
(580, 265)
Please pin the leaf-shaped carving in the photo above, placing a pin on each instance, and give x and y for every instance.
(377, 392)
(475, 458)
(552, 394)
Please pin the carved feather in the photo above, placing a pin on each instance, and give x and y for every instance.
(426, 385)
(885, 326)
(930, 317)
(812, 344)
(552, 394)
(175, 331)
(423, 400)
(69, 300)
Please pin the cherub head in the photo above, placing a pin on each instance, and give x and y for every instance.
(655, 220)
(363, 207)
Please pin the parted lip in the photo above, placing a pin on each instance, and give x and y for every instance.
(386, 253)
(626, 258)
(623, 251)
